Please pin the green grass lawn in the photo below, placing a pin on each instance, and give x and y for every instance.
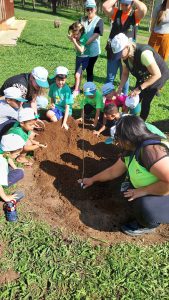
(51, 266)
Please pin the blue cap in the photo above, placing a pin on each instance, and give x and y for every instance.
(107, 88)
(90, 4)
(89, 88)
(128, 2)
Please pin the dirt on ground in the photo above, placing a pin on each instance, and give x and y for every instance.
(55, 196)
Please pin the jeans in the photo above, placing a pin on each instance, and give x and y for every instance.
(14, 176)
(112, 68)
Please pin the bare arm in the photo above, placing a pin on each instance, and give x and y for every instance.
(161, 188)
(124, 77)
(5, 197)
(78, 47)
(153, 22)
(66, 117)
(115, 171)
(96, 116)
(11, 163)
(141, 9)
(92, 38)
(108, 7)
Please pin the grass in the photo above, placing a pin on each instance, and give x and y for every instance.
(51, 266)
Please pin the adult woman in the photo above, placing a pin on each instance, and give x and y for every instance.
(144, 63)
(159, 38)
(31, 84)
(123, 19)
(146, 160)
(94, 29)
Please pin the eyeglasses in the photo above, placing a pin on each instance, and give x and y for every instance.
(89, 9)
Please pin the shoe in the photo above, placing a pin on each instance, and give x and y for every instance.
(75, 94)
(10, 211)
(109, 141)
(134, 229)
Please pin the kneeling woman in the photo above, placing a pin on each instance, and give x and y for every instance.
(145, 159)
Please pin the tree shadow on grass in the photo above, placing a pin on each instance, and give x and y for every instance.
(101, 206)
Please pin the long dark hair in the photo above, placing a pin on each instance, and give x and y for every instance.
(161, 11)
(133, 129)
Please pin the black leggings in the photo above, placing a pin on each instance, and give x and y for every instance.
(146, 96)
(151, 210)
(90, 67)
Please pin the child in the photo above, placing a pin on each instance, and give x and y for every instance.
(61, 98)
(10, 147)
(112, 114)
(110, 97)
(78, 37)
(93, 101)
(24, 128)
(9, 108)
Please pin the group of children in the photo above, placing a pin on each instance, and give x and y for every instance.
(18, 118)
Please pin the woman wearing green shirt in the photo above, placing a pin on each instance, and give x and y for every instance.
(145, 159)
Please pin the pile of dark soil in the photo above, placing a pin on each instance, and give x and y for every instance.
(56, 196)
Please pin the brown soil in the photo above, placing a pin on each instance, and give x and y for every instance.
(8, 276)
(54, 195)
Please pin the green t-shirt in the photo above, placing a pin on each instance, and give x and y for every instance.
(62, 97)
(96, 102)
(83, 40)
(17, 129)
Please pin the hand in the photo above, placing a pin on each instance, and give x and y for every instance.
(135, 92)
(9, 198)
(86, 182)
(43, 145)
(52, 106)
(134, 193)
(97, 133)
(79, 120)
(40, 125)
(65, 126)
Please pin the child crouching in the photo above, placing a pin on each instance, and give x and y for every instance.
(61, 98)
(24, 129)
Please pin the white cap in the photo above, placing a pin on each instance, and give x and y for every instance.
(89, 88)
(118, 43)
(11, 142)
(107, 88)
(26, 114)
(61, 71)
(14, 93)
(41, 75)
(132, 102)
(41, 101)
(90, 4)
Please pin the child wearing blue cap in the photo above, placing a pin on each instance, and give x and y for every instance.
(61, 98)
(93, 101)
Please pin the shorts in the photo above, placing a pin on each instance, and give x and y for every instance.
(58, 113)
(81, 64)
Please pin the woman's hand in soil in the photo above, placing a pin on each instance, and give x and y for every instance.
(97, 133)
(43, 145)
(85, 182)
(134, 193)
(80, 120)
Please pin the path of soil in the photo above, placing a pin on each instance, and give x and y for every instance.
(54, 195)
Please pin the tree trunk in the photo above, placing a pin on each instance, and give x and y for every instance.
(54, 6)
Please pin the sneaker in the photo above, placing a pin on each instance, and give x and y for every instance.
(109, 141)
(10, 211)
(134, 229)
(75, 94)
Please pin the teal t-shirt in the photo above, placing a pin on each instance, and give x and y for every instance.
(83, 40)
(62, 97)
(96, 102)
(17, 129)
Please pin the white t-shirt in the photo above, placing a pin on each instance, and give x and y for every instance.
(3, 171)
(7, 112)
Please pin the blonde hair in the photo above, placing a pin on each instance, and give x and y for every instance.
(76, 27)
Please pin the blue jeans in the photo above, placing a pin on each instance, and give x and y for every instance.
(112, 68)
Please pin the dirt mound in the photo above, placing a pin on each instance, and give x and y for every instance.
(96, 212)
